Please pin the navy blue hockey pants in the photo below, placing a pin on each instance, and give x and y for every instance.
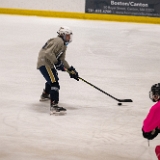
(52, 85)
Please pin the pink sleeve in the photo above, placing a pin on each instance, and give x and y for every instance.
(153, 118)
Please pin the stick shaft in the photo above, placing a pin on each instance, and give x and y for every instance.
(119, 100)
(97, 88)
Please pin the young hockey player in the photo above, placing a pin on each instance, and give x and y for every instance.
(151, 124)
(52, 58)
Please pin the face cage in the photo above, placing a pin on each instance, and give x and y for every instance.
(154, 97)
(68, 41)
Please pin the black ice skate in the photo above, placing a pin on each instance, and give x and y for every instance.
(54, 108)
(44, 97)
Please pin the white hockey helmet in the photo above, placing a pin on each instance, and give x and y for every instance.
(63, 31)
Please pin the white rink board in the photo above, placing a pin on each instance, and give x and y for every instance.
(53, 5)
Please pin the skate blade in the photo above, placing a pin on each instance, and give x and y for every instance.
(45, 99)
(57, 113)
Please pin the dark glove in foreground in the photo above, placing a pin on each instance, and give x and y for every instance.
(60, 65)
(73, 73)
(152, 134)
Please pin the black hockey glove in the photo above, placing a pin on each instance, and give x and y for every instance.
(151, 135)
(73, 73)
(60, 65)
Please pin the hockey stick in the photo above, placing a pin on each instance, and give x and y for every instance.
(119, 100)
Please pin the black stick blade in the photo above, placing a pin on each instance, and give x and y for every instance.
(125, 100)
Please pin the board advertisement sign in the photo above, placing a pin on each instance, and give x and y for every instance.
(124, 7)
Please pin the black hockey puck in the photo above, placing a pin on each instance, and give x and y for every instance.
(119, 104)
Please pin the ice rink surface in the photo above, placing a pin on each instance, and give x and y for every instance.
(122, 59)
